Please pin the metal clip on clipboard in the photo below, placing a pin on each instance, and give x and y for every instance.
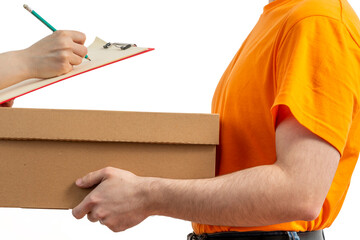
(121, 46)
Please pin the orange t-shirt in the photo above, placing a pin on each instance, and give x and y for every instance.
(303, 54)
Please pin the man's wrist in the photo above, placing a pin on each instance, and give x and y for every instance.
(153, 195)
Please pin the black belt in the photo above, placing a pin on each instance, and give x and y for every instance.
(276, 235)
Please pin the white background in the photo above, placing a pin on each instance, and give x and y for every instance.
(194, 41)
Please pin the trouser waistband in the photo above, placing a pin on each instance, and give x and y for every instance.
(276, 235)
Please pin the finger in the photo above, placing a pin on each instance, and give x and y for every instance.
(65, 68)
(91, 179)
(91, 217)
(83, 208)
(77, 37)
(79, 50)
(75, 59)
(95, 215)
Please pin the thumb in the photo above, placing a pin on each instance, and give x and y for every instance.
(90, 179)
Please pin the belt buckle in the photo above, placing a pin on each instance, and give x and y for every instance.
(193, 236)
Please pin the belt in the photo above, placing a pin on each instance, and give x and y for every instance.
(276, 235)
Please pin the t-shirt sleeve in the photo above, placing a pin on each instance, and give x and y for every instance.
(317, 76)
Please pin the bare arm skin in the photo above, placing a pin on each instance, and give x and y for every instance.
(294, 188)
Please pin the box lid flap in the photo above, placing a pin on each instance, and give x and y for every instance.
(108, 126)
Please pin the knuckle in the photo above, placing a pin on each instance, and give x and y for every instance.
(100, 214)
(63, 56)
(108, 171)
(61, 33)
(82, 36)
(88, 177)
(64, 67)
(93, 199)
(65, 44)
(89, 174)
(78, 37)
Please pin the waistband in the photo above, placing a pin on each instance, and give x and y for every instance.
(275, 235)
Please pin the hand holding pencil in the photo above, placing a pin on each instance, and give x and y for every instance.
(47, 24)
(56, 54)
(52, 56)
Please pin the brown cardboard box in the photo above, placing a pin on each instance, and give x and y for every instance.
(42, 152)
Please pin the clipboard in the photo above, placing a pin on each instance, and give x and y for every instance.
(100, 57)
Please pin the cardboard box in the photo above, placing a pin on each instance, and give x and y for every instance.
(42, 152)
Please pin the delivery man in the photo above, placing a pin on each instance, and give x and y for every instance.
(289, 136)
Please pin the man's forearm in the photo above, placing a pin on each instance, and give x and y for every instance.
(13, 68)
(293, 188)
(254, 197)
